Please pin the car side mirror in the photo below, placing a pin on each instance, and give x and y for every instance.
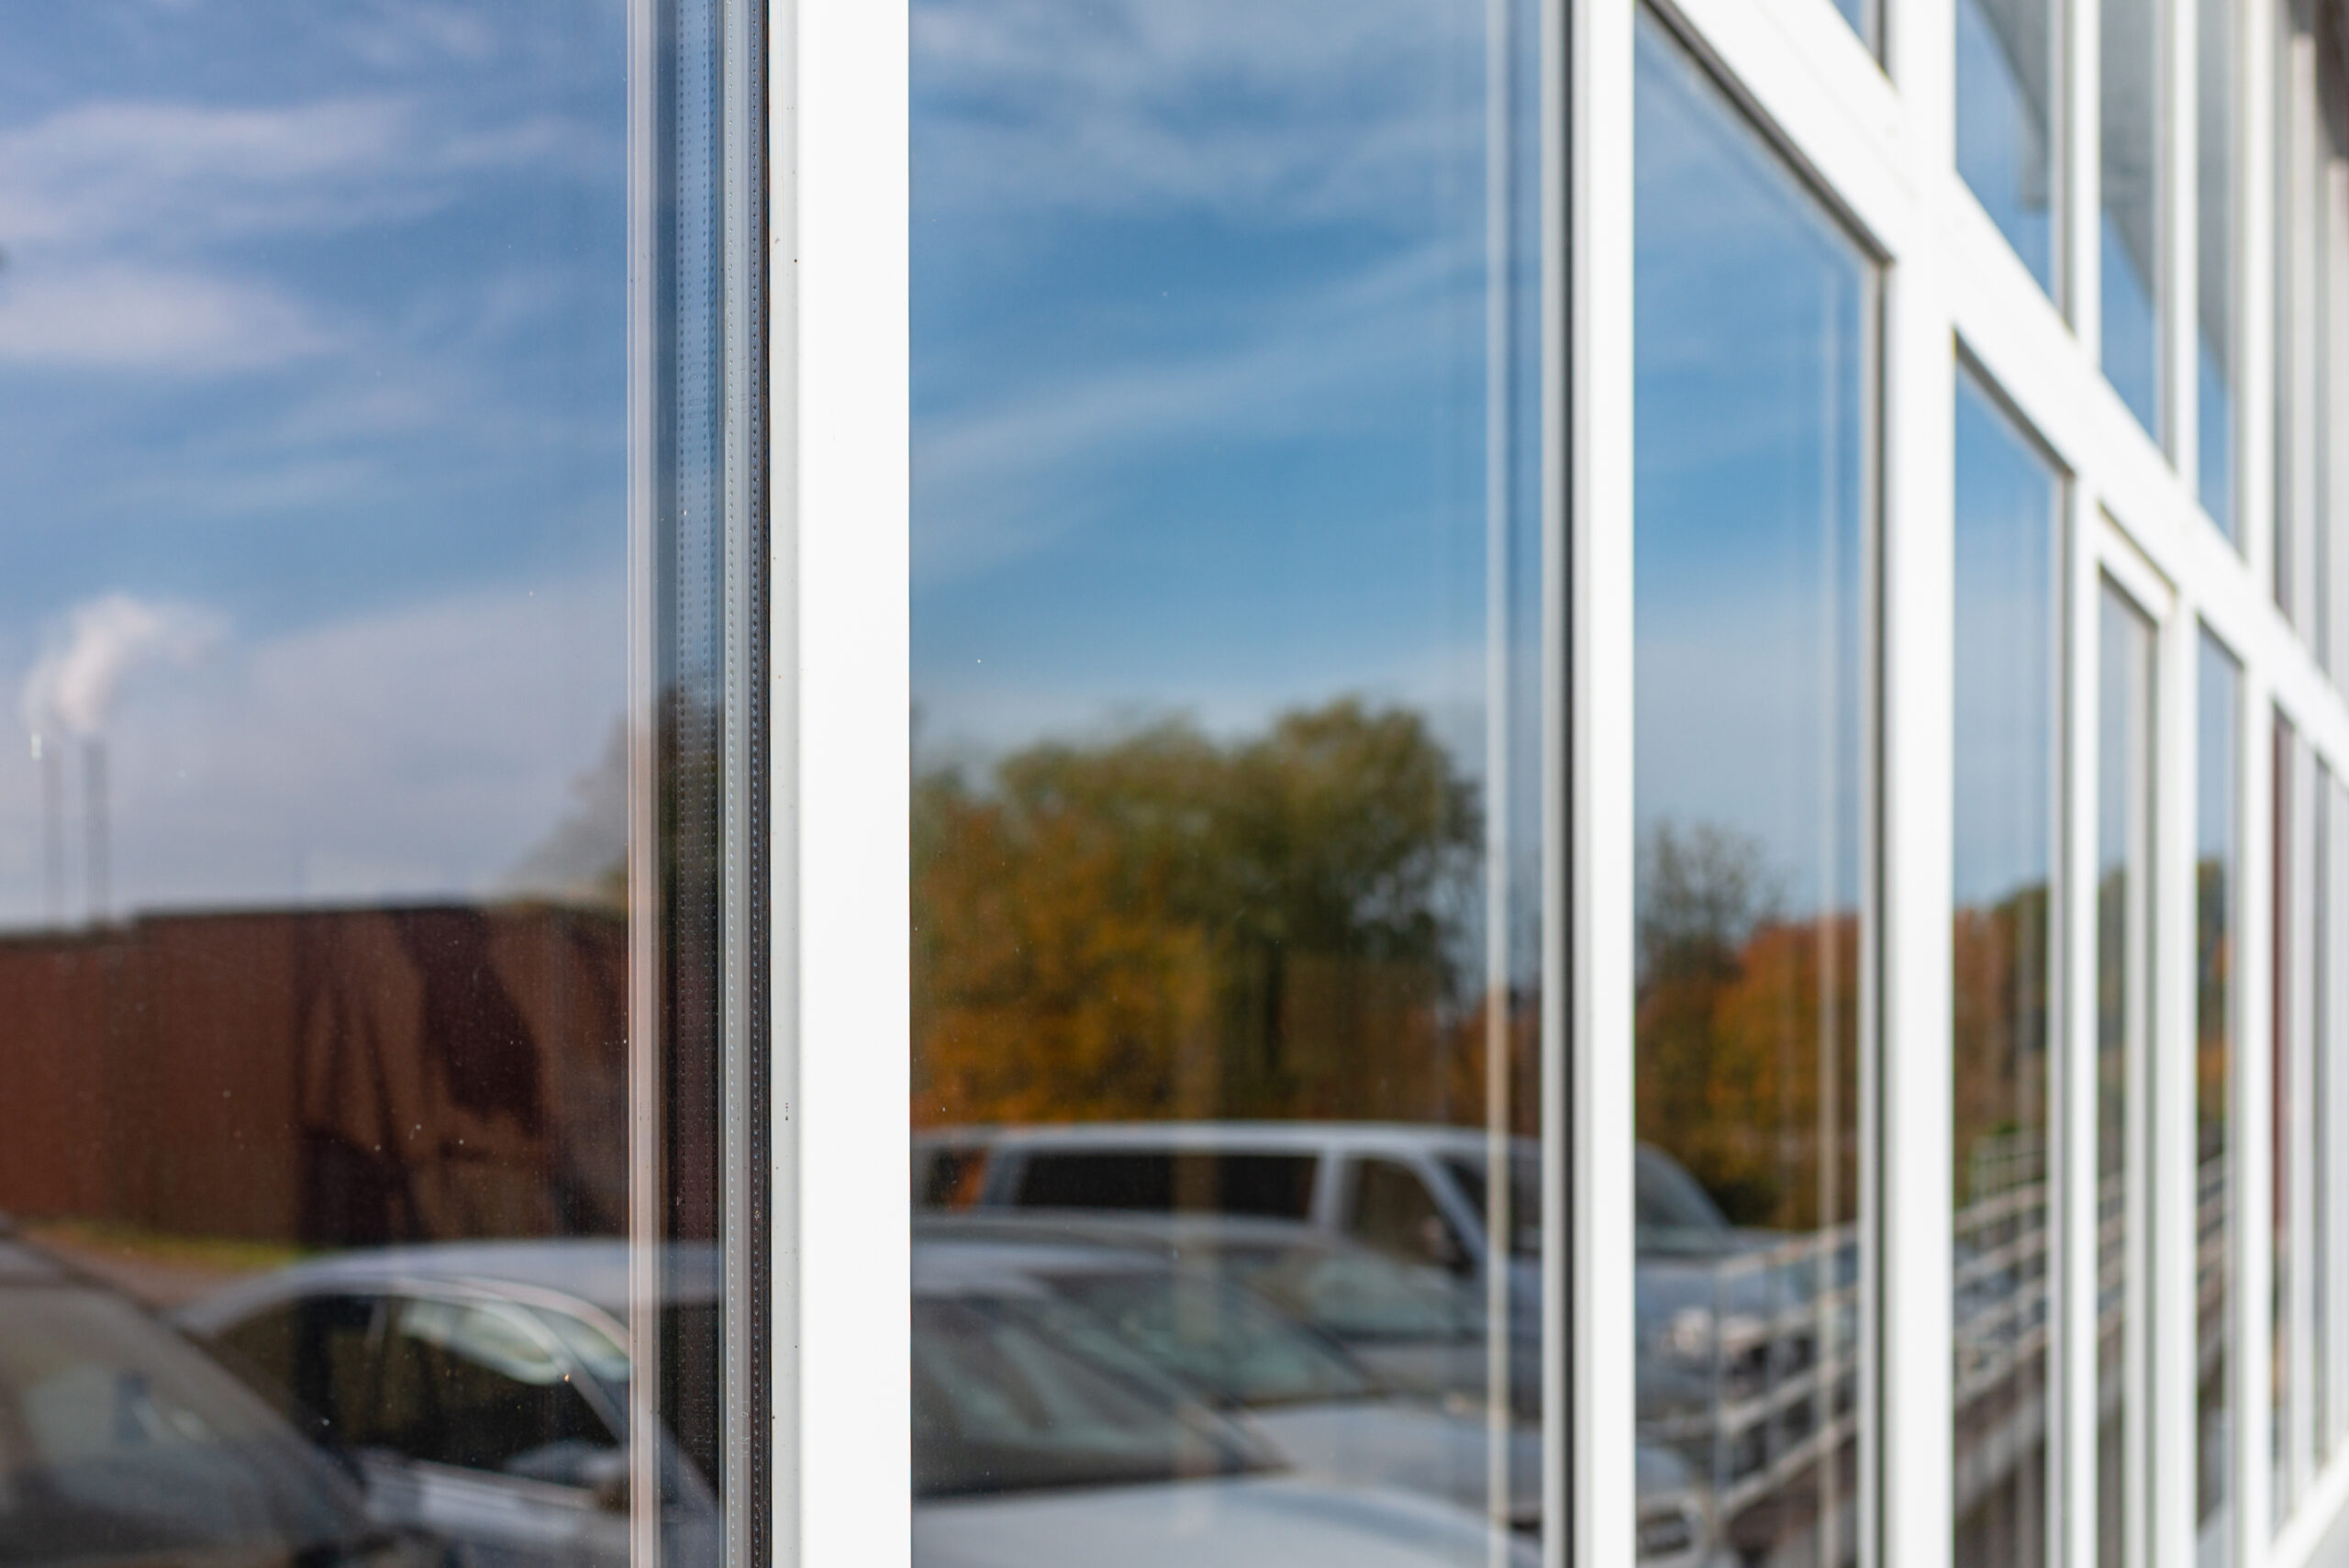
(606, 1474)
(1442, 1247)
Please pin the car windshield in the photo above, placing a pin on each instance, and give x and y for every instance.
(115, 1430)
(1009, 1395)
(1359, 1297)
(1216, 1337)
(1524, 1197)
(1673, 1213)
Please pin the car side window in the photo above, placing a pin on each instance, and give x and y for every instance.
(484, 1387)
(314, 1360)
(1393, 1211)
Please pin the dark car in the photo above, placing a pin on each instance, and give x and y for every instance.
(121, 1442)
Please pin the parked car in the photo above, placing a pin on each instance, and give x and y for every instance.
(1418, 1330)
(1412, 1414)
(1039, 1441)
(482, 1388)
(1322, 1408)
(123, 1443)
(1412, 1191)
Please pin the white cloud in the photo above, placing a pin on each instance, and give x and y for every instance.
(1222, 104)
(101, 644)
(125, 316)
(997, 478)
(117, 216)
(417, 751)
(166, 171)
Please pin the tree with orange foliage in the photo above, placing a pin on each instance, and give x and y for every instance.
(1163, 925)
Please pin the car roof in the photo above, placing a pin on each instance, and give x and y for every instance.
(591, 1271)
(945, 1267)
(1265, 1136)
(1155, 1232)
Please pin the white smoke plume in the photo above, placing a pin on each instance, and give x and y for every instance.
(101, 645)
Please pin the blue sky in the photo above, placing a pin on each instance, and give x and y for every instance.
(1751, 337)
(1198, 376)
(312, 330)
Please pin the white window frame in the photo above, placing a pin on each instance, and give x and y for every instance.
(1876, 139)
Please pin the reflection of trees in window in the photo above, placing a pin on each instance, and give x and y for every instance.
(1164, 924)
(1748, 1032)
(1999, 1041)
(2214, 984)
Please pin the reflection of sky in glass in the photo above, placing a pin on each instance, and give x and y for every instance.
(2129, 164)
(1862, 15)
(1752, 327)
(2005, 545)
(2214, 259)
(2214, 790)
(312, 351)
(1198, 399)
(2004, 149)
(1198, 380)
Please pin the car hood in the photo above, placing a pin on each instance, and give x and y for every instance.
(1394, 1446)
(1261, 1522)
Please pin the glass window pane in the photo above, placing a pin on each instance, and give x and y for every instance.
(1226, 629)
(1755, 378)
(1867, 17)
(2320, 1073)
(2288, 1085)
(2217, 888)
(2129, 187)
(315, 821)
(2303, 167)
(2006, 122)
(2008, 520)
(2124, 981)
(2217, 102)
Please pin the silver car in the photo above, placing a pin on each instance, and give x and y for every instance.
(1039, 1443)
(482, 1388)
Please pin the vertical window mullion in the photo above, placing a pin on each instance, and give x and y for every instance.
(1599, 55)
(1915, 1450)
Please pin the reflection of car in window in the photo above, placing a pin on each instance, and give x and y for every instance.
(1189, 1317)
(122, 1443)
(1414, 1191)
(1040, 1440)
(482, 1388)
(1302, 1331)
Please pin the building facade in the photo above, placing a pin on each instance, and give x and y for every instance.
(972, 781)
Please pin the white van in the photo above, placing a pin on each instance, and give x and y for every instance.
(1411, 1191)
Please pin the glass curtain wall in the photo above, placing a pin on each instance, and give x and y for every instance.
(2124, 1004)
(1755, 440)
(2008, 521)
(2217, 891)
(2130, 285)
(2007, 110)
(2217, 100)
(1226, 807)
(333, 892)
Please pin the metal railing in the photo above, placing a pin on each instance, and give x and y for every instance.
(1783, 1363)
